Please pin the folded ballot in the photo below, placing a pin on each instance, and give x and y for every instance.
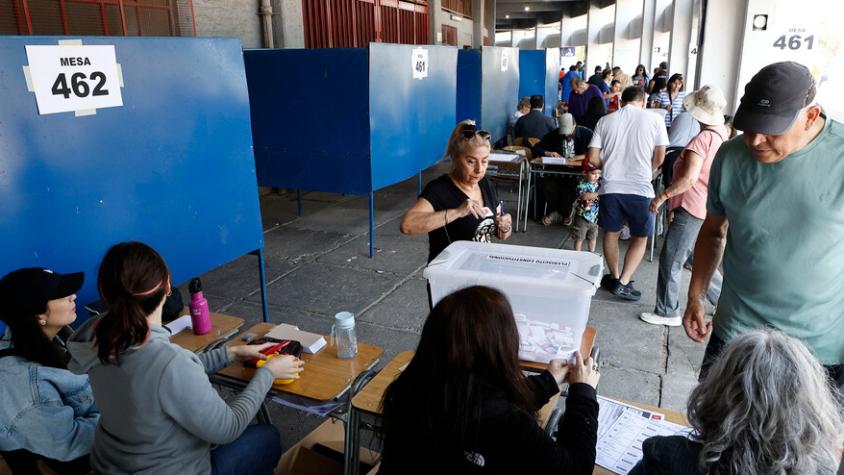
(311, 342)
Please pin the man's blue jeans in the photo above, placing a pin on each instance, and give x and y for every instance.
(256, 452)
(678, 246)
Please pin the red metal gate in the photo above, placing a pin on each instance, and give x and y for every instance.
(356, 23)
(98, 17)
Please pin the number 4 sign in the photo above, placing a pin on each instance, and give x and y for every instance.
(73, 78)
(419, 60)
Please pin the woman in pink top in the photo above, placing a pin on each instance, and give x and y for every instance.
(687, 199)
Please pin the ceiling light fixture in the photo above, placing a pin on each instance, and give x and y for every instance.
(507, 16)
(527, 8)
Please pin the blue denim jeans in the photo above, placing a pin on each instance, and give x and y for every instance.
(678, 246)
(256, 452)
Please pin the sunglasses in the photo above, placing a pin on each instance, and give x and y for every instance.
(470, 130)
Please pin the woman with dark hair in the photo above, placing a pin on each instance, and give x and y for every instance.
(160, 413)
(463, 405)
(640, 78)
(462, 204)
(765, 407)
(46, 412)
(671, 99)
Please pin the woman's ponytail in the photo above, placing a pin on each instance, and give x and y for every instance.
(133, 280)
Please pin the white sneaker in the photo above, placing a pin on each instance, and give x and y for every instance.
(655, 319)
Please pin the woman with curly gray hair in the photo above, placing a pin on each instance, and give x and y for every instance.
(766, 407)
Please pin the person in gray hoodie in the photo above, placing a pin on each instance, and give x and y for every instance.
(159, 412)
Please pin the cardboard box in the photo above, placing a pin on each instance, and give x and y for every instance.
(321, 453)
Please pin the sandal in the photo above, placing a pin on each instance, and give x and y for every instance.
(552, 218)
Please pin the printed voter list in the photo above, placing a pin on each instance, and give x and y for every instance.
(73, 78)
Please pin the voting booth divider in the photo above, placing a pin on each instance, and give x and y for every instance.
(488, 87)
(350, 121)
(110, 139)
(539, 73)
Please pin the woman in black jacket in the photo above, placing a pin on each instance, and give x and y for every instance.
(463, 404)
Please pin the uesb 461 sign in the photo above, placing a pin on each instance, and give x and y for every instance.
(74, 78)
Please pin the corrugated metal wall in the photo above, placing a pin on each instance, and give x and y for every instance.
(356, 23)
(97, 17)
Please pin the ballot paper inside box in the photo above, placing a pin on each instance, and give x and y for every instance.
(550, 290)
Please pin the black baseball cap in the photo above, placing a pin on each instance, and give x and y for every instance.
(26, 291)
(774, 98)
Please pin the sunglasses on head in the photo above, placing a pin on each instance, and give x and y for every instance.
(470, 130)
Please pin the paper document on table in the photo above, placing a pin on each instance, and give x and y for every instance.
(621, 431)
(502, 157)
(179, 324)
(554, 161)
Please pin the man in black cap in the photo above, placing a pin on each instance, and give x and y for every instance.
(775, 213)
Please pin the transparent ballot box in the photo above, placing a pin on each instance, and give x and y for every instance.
(550, 290)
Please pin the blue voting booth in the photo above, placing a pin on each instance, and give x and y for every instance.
(539, 73)
(350, 120)
(172, 166)
(488, 87)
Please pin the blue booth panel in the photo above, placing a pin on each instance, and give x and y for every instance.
(488, 87)
(349, 120)
(539, 73)
(172, 167)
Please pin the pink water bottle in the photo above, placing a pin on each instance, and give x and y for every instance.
(200, 317)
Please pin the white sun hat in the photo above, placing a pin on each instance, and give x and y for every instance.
(706, 105)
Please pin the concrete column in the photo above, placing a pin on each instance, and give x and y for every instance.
(627, 34)
(435, 8)
(288, 24)
(646, 47)
(567, 29)
(477, 23)
(593, 30)
(662, 32)
(489, 20)
(681, 35)
(720, 54)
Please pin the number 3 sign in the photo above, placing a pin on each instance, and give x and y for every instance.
(73, 78)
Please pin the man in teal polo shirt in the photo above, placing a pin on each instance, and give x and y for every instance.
(775, 213)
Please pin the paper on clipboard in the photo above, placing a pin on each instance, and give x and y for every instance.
(623, 428)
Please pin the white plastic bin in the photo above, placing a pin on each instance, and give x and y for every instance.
(550, 290)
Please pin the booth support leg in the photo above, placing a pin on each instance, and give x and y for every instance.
(299, 202)
(371, 224)
(263, 277)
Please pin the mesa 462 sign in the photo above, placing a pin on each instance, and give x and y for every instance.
(73, 78)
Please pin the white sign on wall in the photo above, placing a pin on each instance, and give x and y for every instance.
(73, 78)
(419, 63)
(505, 61)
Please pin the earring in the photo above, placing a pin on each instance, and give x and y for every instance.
(42, 322)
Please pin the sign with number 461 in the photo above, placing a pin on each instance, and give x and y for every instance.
(74, 78)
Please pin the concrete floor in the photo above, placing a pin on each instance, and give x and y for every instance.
(318, 265)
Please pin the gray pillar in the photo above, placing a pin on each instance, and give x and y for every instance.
(722, 49)
(646, 48)
(681, 35)
(477, 23)
(489, 20)
(627, 36)
(288, 24)
(593, 29)
(435, 8)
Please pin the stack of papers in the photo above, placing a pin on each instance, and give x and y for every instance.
(311, 342)
(502, 157)
(623, 428)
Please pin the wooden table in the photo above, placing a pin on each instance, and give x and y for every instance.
(223, 328)
(325, 376)
(536, 167)
(369, 398)
(670, 416)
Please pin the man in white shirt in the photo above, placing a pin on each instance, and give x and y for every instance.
(628, 145)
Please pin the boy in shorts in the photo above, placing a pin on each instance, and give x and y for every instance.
(585, 225)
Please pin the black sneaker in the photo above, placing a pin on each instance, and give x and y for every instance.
(626, 292)
(632, 290)
(608, 282)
